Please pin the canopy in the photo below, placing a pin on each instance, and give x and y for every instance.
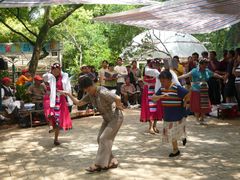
(29, 3)
(188, 16)
(162, 44)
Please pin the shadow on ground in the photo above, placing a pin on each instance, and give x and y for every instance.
(212, 152)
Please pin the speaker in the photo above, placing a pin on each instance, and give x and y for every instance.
(3, 64)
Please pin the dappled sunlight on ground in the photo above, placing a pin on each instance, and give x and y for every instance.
(212, 152)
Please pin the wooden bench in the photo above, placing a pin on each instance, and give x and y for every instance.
(30, 112)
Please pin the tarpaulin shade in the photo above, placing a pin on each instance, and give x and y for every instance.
(188, 16)
(30, 3)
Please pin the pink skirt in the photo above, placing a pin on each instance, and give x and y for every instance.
(150, 111)
(195, 105)
(64, 118)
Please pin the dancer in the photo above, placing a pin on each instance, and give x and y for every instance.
(56, 105)
(150, 111)
(104, 101)
(172, 97)
(199, 101)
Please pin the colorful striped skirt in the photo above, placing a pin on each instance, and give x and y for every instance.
(150, 110)
(199, 103)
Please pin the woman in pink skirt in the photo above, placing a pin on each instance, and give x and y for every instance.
(56, 105)
(151, 111)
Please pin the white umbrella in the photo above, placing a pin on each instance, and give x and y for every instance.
(163, 44)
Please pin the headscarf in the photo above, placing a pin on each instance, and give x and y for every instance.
(6, 80)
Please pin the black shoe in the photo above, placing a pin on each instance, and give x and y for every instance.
(174, 155)
(184, 141)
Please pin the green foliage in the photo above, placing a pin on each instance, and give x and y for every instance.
(4, 74)
(91, 42)
(224, 39)
(21, 93)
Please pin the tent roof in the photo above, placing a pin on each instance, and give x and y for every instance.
(30, 3)
(188, 16)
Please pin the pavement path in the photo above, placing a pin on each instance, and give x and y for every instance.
(212, 152)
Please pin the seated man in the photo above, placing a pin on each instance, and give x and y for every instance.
(129, 93)
(37, 90)
(25, 79)
(8, 101)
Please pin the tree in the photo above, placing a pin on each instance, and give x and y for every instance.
(223, 39)
(35, 26)
(89, 42)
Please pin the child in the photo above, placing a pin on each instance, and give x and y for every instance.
(173, 98)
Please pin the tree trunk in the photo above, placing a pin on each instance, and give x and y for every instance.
(38, 48)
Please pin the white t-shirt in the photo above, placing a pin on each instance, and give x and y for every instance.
(237, 80)
(101, 75)
(122, 72)
(155, 73)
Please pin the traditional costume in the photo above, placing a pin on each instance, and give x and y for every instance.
(174, 123)
(56, 105)
(199, 102)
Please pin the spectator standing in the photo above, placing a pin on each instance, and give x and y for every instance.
(178, 68)
(131, 75)
(136, 71)
(222, 70)
(122, 73)
(94, 73)
(204, 55)
(213, 83)
(83, 71)
(193, 61)
(111, 80)
(236, 72)
(102, 72)
(230, 90)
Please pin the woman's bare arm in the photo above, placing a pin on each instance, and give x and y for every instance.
(75, 100)
(185, 76)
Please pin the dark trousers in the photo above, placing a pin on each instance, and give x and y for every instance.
(214, 91)
(119, 85)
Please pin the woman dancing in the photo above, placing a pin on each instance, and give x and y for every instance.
(55, 105)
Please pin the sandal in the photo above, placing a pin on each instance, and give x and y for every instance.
(156, 130)
(174, 154)
(184, 141)
(56, 143)
(94, 169)
(113, 166)
(151, 131)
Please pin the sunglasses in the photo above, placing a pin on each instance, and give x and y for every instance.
(54, 66)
